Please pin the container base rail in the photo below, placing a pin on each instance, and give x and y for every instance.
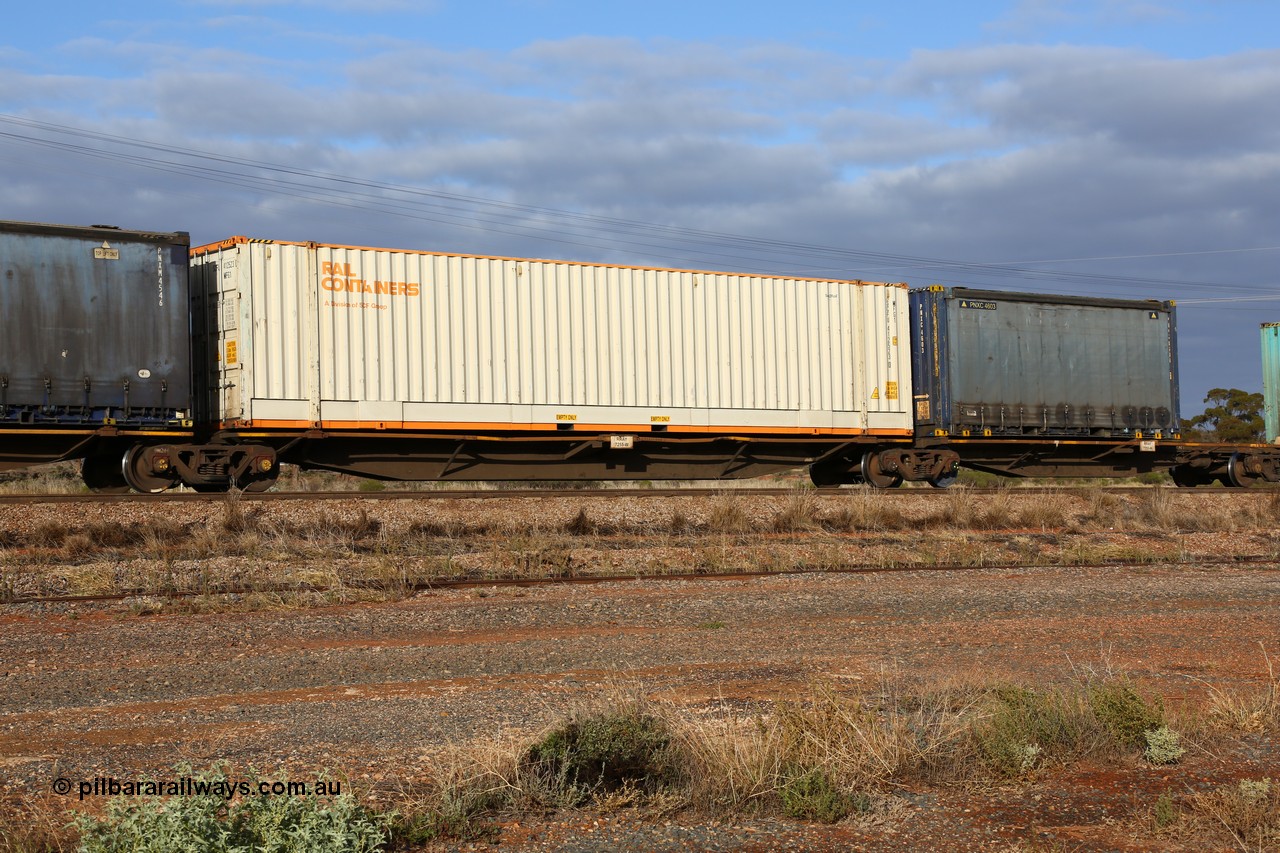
(1064, 458)
(578, 456)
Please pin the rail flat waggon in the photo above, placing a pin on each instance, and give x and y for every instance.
(160, 365)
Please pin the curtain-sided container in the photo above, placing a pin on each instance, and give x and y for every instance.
(995, 363)
(96, 328)
(294, 335)
(1271, 378)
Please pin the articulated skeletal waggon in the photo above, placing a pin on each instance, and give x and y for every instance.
(161, 365)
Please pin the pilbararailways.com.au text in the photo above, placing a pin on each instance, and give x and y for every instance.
(187, 786)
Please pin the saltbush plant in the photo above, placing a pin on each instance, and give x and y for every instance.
(1164, 746)
(207, 823)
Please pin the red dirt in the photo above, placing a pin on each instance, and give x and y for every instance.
(372, 689)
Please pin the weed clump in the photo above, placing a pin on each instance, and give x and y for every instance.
(205, 821)
(603, 752)
(1027, 728)
(1249, 811)
(813, 795)
(1125, 714)
(1164, 746)
(1165, 812)
(584, 525)
(727, 516)
(799, 515)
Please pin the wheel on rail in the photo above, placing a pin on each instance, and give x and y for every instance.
(875, 476)
(944, 481)
(102, 474)
(1237, 472)
(257, 484)
(136, 468)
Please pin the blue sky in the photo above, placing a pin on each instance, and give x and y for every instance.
(1108, 147)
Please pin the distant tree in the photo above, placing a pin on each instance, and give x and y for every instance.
(1234, 416)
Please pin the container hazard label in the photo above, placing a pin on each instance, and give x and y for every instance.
(981, 306)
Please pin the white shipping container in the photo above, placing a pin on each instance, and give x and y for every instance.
(339, 337)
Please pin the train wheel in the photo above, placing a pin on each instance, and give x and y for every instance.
(1236, 473)
(258, 484)
(135, 468)
(876, 476)
(944, 481)
(102, 474)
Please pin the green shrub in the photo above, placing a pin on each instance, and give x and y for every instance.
(1164, 746)
(812, 795)
(1124, 713)
(1027, 727)
(1165, 812)
(603, 752)
(461, 816)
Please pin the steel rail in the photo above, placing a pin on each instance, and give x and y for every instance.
(510, 494)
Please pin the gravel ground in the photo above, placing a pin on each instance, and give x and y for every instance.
(373, 690)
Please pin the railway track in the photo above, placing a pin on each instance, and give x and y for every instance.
(591, 580)
(512, 494)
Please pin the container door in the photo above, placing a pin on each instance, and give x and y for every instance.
(230, 373)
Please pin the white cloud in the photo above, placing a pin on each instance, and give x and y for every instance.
(1007, 152)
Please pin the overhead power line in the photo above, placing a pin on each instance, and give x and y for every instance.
(567, 227)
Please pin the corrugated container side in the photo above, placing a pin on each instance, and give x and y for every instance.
(1271, 378)
(95, 326)
(356, 336)
(1017, 363)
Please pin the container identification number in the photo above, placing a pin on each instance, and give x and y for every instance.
(973, 303)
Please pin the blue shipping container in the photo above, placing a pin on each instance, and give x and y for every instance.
(988, 362)
(95, 326)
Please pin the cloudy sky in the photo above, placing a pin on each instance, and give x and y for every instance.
(1105, 147)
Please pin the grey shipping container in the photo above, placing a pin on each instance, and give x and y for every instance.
(989, 362)
(96, 327)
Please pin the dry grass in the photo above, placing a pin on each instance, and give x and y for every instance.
(728, 516)
(354, 551)
(1256, 710)
(33, 825)
(822, 755)
(1248, 811)
(801, 513)
(867, 511)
